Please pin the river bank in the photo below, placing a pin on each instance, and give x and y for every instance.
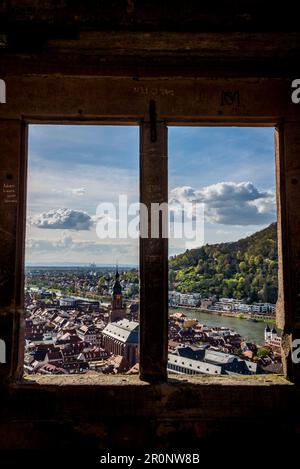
(247, 317)
(249, 330)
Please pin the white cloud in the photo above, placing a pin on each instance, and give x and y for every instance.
(78, 191)
(64, 242)
(67, 249)
(265, 205)
(230, 203)
(46, 187)
(62, 218)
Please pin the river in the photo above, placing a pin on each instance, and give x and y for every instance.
(251, 331)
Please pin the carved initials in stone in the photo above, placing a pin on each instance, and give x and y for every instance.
(229, 98)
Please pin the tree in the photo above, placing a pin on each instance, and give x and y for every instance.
(246, 269)
(263, 352)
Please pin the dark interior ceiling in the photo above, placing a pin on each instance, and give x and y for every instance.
(142, 37)
(23, 21)
(169, 15)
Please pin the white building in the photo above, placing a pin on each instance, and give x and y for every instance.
(263, 308)
(184, 299)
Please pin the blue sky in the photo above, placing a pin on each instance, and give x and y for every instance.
(231, 170)
(71, 170)
(74, 168)
(199, 156)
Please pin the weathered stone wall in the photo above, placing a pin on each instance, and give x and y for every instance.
(213, 65)
(122, 412)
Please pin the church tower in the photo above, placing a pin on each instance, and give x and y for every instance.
(118, 310)
(117, 292)
(268, 334)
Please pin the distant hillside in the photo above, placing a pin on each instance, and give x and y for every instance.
(245, 269)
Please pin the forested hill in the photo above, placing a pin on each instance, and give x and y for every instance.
(245, 269)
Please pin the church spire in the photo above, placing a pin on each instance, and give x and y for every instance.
(117, 290)
(117, 302)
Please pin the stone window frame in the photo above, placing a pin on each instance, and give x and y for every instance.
(100, 100)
